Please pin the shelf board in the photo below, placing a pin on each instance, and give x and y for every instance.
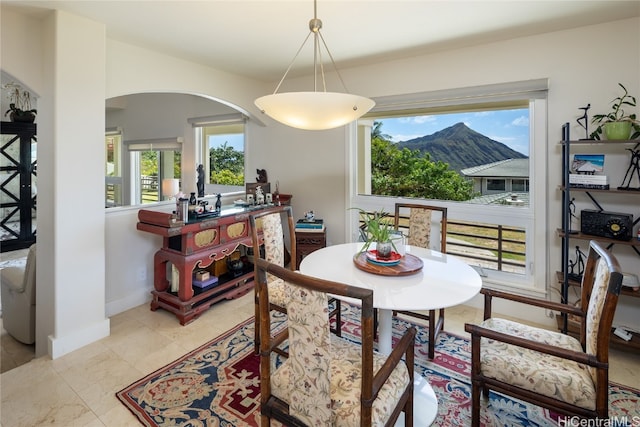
(600, 142)
(573, 329)
(582, 236)
(624, 291)
(599, 190)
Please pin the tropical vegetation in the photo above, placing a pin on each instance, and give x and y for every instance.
(410, 173)
(227, 165)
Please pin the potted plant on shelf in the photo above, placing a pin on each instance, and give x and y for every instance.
(617, 125)
(20, 104)
(377, 227)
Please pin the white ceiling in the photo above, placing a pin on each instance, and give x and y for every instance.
(259, 38)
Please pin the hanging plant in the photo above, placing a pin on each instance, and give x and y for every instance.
(19, 104)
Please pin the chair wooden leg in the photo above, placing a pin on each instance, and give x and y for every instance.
(256, 332)
(475, 403)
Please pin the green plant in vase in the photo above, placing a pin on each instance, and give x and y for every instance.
(377, 227)
(617, 124)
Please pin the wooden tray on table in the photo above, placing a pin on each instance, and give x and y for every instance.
(409, 264)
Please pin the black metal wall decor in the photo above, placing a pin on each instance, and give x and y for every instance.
(634, 168)
(583, 121)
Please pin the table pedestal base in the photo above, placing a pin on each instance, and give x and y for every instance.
(425, 404)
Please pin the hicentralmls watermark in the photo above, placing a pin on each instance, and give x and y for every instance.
(599, 422)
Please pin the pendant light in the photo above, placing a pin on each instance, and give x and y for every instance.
(315, 110)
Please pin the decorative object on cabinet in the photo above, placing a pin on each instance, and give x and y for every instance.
(634, 167)
(262, 176)
(608, 228)
(617, 124)
(251, 187)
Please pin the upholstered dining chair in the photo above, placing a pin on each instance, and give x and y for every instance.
(416, 221)
(328, 380)
(268, 223)
(548, 368)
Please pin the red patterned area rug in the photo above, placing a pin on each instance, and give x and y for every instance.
(218, 384)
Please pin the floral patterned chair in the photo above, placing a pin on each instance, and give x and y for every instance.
(417, 220)
(327, 380)
(269, 222)
(548, 368)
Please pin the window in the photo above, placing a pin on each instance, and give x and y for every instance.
(520, 185)
(222, 142)
(113, 169)
(496, 184)
(445, 147)
(152, 161)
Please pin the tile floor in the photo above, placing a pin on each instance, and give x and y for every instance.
(78, 389)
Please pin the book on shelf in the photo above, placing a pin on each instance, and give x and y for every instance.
(588, 179)
(310, 230)
(590, 186)
(316, 223)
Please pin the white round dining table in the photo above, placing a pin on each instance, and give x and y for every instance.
(443, 281)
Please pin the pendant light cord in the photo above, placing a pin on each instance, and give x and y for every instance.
(315, 25)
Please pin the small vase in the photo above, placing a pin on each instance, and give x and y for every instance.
(616, 131)
(384, 250)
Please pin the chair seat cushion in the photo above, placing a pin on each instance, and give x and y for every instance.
(551, 376)
(345, 368)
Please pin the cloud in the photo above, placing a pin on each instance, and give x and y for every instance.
(403, 137)
(521, 121)
(418, 119)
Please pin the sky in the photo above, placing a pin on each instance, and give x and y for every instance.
(511, 127)
(235, 140)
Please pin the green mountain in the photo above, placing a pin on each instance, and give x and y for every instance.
(461, 147)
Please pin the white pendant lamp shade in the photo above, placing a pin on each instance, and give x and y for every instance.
(314, 110)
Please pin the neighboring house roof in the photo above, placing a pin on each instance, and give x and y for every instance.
(512, 168)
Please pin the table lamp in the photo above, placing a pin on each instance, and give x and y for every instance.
(170, 187)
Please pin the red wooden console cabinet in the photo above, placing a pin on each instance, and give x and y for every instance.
(195, 244)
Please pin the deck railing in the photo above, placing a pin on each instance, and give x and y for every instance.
(491, 246)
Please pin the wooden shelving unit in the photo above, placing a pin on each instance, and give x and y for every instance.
(566, 234)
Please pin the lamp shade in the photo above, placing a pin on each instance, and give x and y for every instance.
(314, 110)
(170, 187)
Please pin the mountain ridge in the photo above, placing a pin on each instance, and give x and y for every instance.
(461, 147)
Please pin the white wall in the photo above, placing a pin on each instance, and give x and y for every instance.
(310, 165)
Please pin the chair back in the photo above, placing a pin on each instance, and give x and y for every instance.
(601, 285)
(267, 229)
(420, 220)
(310, 351)
(309, 342)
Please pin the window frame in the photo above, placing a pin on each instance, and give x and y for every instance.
(532, 218)
(225, 121)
